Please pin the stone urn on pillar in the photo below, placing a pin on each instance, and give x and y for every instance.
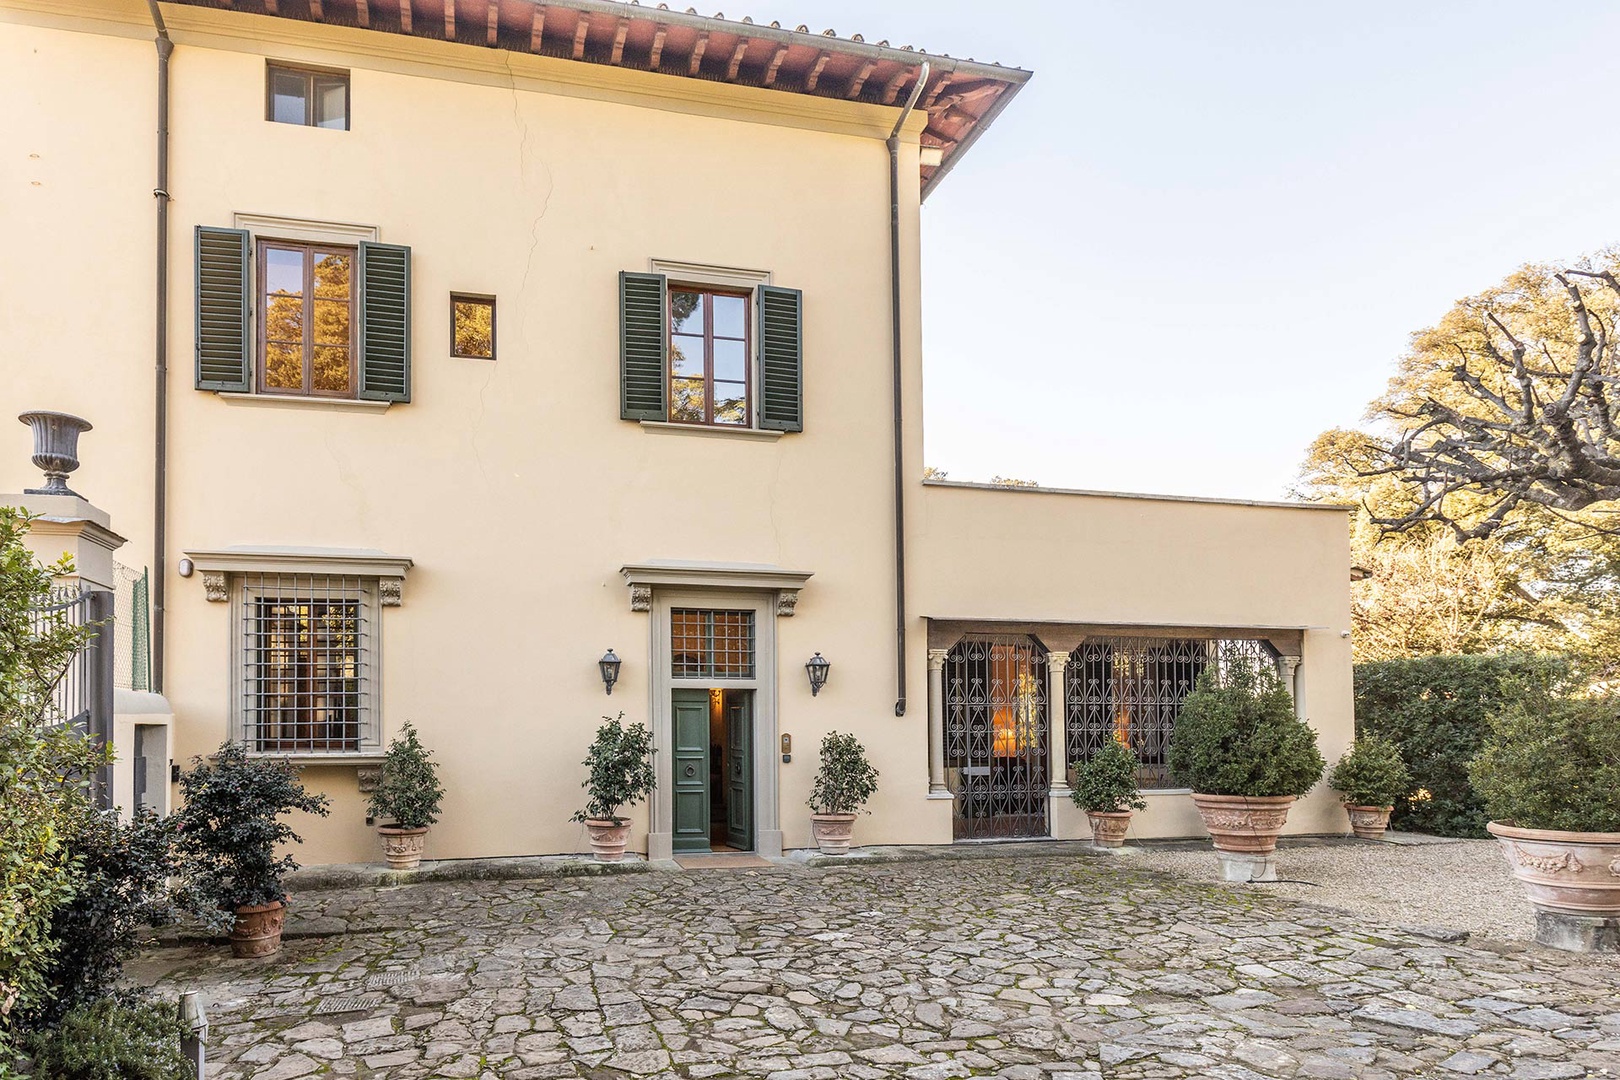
(56, 449)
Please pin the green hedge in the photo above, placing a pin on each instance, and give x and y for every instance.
(1436, 710)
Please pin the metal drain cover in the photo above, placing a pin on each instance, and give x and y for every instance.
(357, 1003)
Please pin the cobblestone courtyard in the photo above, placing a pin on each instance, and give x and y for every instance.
(1074, 968)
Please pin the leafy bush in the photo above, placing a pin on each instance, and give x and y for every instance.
(1552, 762)
(116, 1038)
(846, 779)
(44, 774)
(230, 827)
(1371, 773)
(620, 770)
(1237, 735)
(121, 888)
(409, 792)
(1435, 709)
(1106, 784)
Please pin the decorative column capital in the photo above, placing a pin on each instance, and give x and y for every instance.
(1058, 660)
(937, 658)
(1290, 663)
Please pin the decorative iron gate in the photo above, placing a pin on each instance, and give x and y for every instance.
(1132, 689)
(81, 697)
(996, 737)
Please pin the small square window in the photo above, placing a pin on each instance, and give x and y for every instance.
(308, 97)
(472, 326)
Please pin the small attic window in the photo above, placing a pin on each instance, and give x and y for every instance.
(311, 97)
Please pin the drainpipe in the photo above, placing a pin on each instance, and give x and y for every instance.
(893, 144)
(160, 469)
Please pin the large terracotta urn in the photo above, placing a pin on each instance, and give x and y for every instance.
(1369, 822)
(833, 832)
(402, 847)
(1244, 824)
(1572, 880)
(1108, 827)
(258, 930)
(608, 838)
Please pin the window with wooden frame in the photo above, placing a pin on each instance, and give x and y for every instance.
(310, 97)
(307, 328)
(472, 326)
(710, 342)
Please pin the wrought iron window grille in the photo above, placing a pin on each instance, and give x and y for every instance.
(711, 644)
(309, 650)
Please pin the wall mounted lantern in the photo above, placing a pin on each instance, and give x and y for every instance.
(816, 667)
(609, 665)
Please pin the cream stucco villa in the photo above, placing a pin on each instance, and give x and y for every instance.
(491, 335)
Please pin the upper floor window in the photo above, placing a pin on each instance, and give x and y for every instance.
(307, 96)
(708, 357)
(306, 336)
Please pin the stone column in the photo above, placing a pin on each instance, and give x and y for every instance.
(1057, 723)
(936, 724)
(1292, 679)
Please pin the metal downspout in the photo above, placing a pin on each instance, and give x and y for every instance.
(160, 473)
(893, 144)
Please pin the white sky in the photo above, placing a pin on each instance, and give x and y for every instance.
(1203, 232)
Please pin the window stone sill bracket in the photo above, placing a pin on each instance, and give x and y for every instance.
(756, 577)
(388, 570)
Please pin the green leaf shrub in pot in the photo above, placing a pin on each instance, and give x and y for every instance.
(1373, 777)
(619, 774)
(1246, 756)
(229, 830)
(407, 798)
(1549, 775)
(843, 784)
(1105, 788)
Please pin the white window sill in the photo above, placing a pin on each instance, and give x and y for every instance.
(304, 761)
(299, 401)
(661, 427)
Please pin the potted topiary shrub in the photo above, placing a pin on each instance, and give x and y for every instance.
(228, 831)
(1105, 788)
(407, 796)
(1372, 776)
(620, 774)
(845, 781)
(1549, 775)
(1246, 756)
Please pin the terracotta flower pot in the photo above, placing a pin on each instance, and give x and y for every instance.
(1369, 822)
(1108, 827)
(1243, 824)
(608, 838)
(258, 929)
(1572, 873)
(402, 847)
(833, 832)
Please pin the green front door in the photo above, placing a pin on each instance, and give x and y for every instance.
(739, 770)
(691, 761)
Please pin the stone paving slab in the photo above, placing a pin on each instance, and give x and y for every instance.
(1030, 968)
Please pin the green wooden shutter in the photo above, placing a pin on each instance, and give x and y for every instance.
(643, 347)
(224, 341)
(781, 359)
(385, 322)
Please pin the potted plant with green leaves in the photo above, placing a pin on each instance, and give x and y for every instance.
(228, 832)
(1372, 776)
(407, 796)
(1549, 775)
(1246, 756)
(844, 783)
(619, 774)
(1105, 788)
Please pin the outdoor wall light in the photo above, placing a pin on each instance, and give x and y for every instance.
(816, 667)
(609, 666)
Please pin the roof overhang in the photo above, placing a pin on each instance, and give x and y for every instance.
(959, 101)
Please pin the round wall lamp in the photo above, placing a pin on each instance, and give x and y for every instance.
(816, 667)
(609, 666)
(186, 567)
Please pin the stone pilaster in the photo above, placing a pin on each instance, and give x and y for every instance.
(936, 724)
